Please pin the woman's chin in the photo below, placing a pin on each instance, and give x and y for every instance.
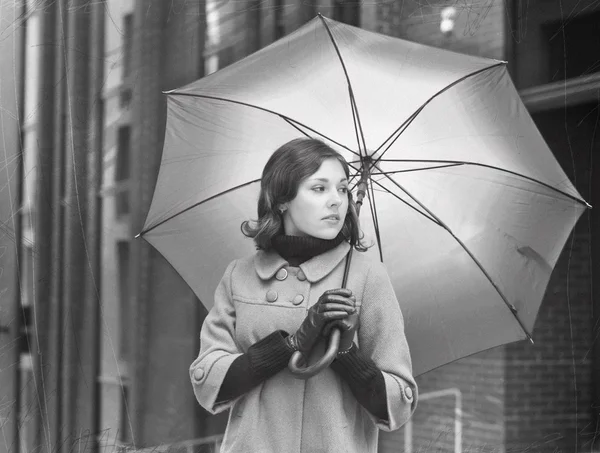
(329, 233)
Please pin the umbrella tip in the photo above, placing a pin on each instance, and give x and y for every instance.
(587, 205)
(138, 235)
(530, 338)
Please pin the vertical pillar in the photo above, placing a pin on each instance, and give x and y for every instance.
(77, 366)
(12, 37)
(53, 379)
(147, 120)
(594, 277)
(43, 268)
(94, 201)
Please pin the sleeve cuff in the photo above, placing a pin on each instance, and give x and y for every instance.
(206, 382)
(401, 402)
(366, 382)
(356, 367)
(269, 355)
(264, 359)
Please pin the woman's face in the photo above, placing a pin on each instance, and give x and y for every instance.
(321, 203)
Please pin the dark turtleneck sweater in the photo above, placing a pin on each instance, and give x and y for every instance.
(271, 355)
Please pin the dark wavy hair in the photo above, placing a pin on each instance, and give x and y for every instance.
(287, 167)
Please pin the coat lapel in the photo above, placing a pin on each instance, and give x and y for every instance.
(321, 265)
(268, 263)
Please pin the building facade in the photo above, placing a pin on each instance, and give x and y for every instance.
(113, 328)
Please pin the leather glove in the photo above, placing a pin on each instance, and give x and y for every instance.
(347, 327)
(334, 304)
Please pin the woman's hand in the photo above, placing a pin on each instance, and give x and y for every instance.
(347, 327)
(333, 305)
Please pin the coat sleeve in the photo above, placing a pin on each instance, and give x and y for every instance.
(218, 348)
(381, 337)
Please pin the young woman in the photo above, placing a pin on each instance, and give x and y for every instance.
(287, 298)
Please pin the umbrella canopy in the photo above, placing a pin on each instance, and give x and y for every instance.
(466, 204)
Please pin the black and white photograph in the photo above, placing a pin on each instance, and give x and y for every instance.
(300, 226)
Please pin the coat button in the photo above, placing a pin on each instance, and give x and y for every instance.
(271, 295)
(298, 299)
(301, 275)
(198, 374)
(408, 393)
(281, 274)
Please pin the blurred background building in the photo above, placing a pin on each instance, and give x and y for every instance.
(97, 330)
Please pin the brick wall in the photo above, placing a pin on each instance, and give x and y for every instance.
(556, 410)
(480, 382)
(549, 386)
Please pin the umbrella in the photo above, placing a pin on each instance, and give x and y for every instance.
(465, 203)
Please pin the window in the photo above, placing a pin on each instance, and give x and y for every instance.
(577, 38)
(122, 170)
(124, 347)
(126, 63)
(127, 44)
(123, 297)
(347, 11)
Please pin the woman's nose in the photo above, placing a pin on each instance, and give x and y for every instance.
(334, 198)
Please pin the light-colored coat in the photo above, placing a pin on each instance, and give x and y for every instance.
(289, 415)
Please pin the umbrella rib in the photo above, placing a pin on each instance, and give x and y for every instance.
(402, 127)
(416, 169)
(355, 115)
(398, 132)
(295, 123)
(355, 175)
(404, 201)
(239, 186)
(511, 307)
(373, 208)
(492, 167)
(352, 177)
(285, 118)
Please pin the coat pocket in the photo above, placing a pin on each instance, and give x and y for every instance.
(255, 321)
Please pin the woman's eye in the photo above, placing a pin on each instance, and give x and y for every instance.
(318, 188)
(344, 189)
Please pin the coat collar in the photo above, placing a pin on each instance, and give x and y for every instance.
(268, 263)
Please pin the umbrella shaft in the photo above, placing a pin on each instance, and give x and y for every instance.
(362, 188)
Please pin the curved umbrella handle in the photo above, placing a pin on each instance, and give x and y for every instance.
(324, 362)
(334, 340)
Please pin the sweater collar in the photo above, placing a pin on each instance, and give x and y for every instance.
(298, 249)
(267, 263)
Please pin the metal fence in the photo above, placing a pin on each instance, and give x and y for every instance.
(209, 444)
